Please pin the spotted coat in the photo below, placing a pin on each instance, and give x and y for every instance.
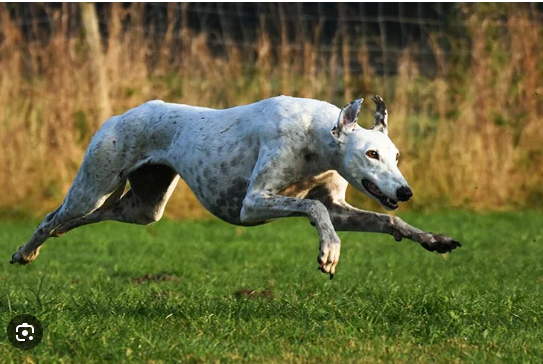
(247, 165)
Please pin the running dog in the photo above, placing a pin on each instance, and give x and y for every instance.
(247, 165)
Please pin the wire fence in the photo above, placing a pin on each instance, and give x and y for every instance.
(385, 29)
(65, 68)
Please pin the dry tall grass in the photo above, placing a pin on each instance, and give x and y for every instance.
(470, 137)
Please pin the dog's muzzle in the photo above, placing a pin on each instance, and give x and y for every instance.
(404, 193)
(376, 192)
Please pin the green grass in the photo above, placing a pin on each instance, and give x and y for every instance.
(388, 302)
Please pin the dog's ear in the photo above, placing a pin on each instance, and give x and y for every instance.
(380, 120)
(348, 117)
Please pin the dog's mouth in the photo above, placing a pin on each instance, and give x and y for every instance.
(376, 192)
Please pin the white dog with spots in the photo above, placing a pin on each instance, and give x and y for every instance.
(247, 165)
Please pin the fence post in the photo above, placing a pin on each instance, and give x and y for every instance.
(98, 70)
(346, 55)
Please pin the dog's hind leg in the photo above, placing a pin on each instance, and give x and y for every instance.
(348, 218)
(95, 181)
(66, 212)
(78, 203)
(112, 200)
(151, 188)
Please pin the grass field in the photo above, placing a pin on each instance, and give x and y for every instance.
(208, 291)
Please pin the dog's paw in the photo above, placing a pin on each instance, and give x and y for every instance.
(20, 258)
(439, 243)
(329, 257)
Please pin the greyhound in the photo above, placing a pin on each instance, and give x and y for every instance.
(248, 165)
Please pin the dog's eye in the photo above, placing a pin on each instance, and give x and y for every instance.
(372, 154)
(397, 156)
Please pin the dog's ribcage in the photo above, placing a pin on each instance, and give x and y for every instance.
(216, 151)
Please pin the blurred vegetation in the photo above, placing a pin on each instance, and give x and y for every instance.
(470, 135)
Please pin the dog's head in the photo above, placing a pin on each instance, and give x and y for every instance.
(370, 159)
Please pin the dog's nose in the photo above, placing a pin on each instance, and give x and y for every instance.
(404, 193)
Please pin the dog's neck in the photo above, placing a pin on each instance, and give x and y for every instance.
(329, 152)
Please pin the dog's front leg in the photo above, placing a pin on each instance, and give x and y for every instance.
(258, 207)
(347, 218)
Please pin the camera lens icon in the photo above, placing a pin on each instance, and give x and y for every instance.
(25, 332)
